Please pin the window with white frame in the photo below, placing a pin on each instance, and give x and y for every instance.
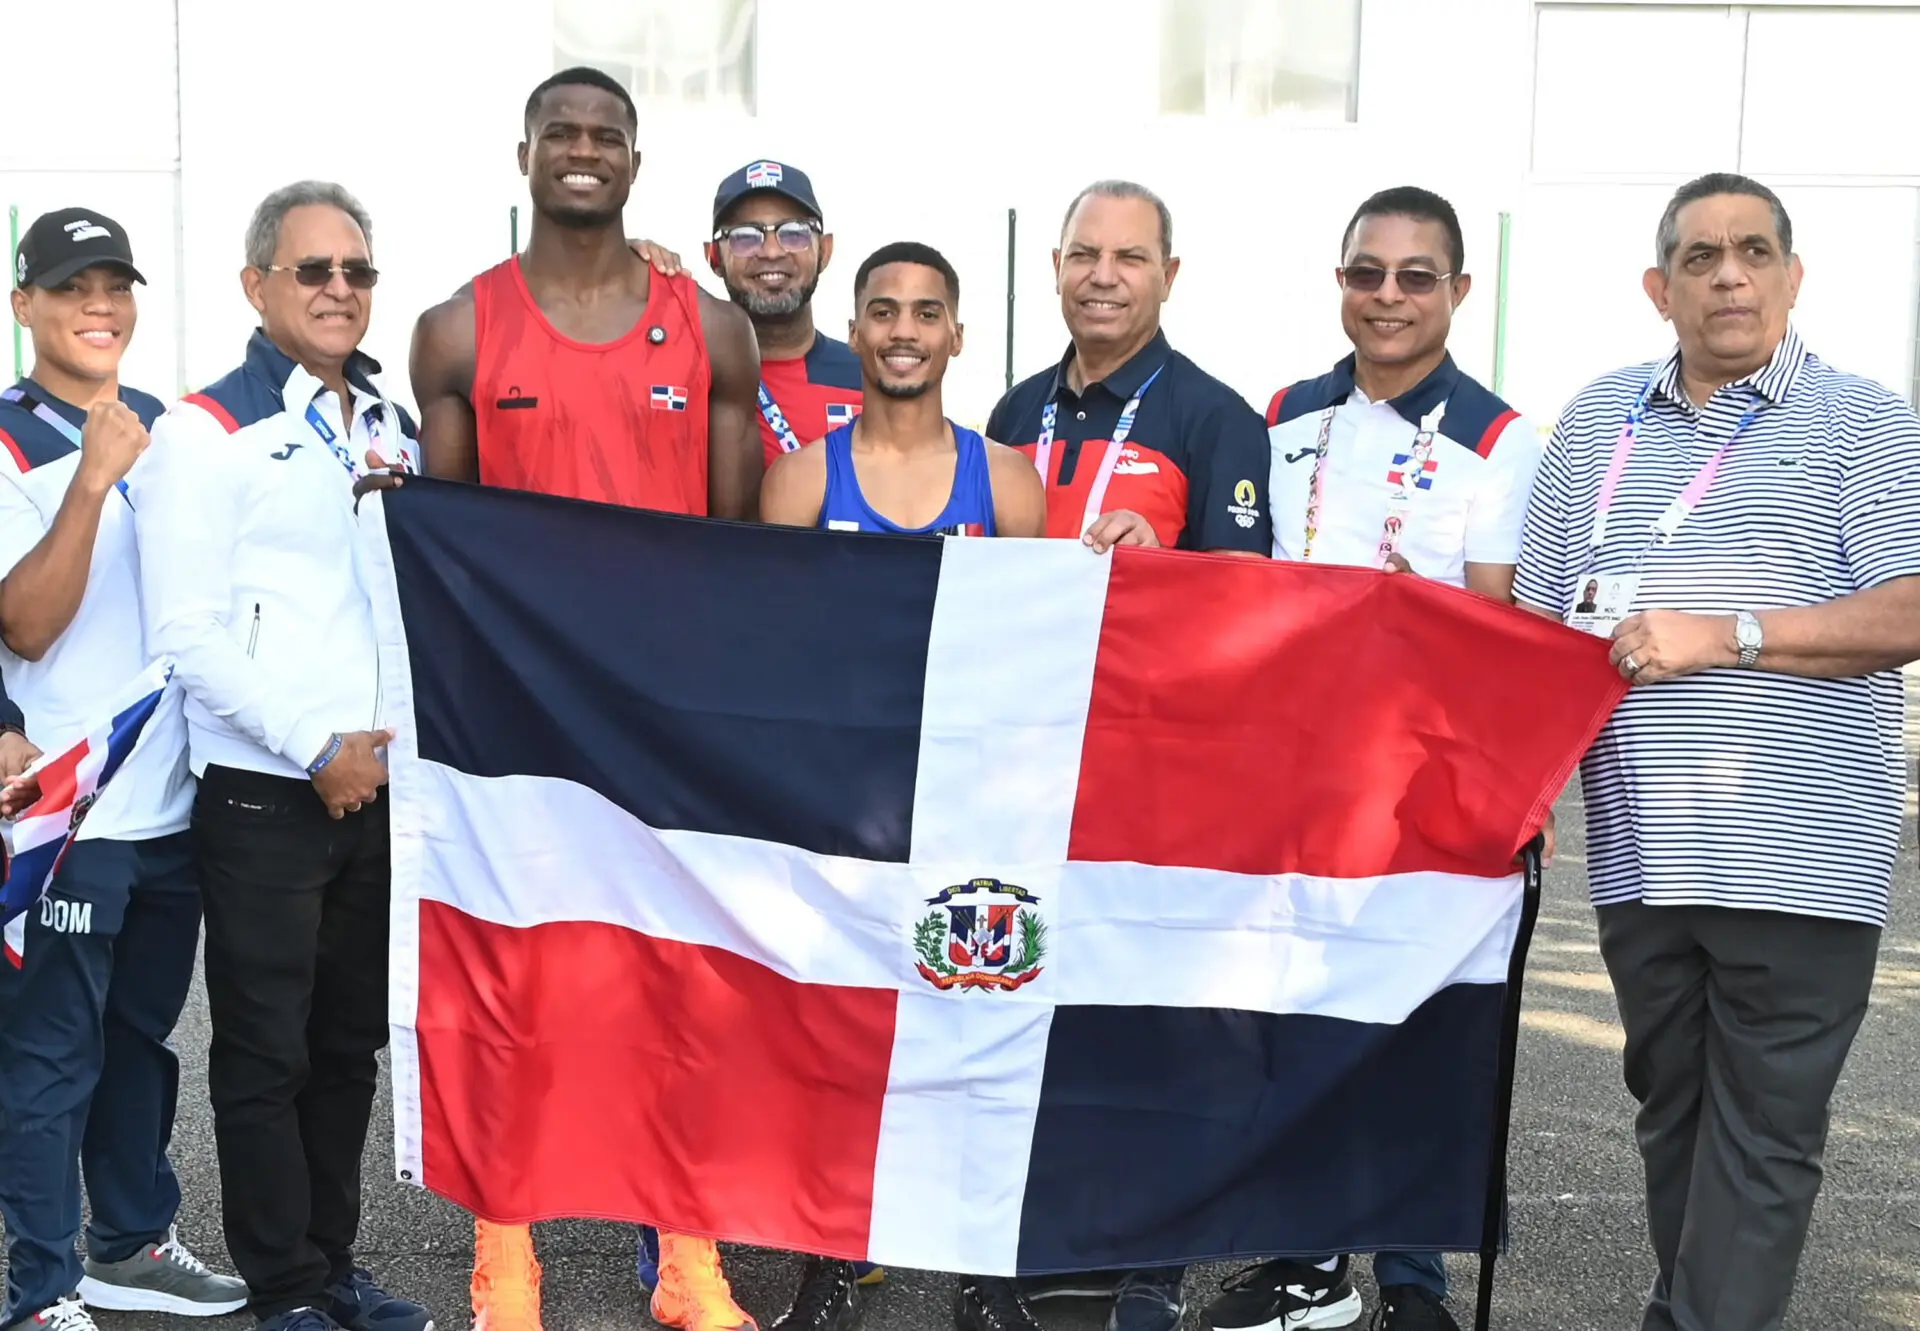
(1253, 58)
(671, 54)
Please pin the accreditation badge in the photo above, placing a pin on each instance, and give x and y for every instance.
(1601, 601)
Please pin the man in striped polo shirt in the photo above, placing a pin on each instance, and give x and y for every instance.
(1751, 517)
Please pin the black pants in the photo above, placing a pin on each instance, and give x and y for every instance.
(296, 963)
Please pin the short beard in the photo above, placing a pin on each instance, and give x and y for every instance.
(903, 392)
(781, 305)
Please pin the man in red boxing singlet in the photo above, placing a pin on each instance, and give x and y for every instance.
(574, 369)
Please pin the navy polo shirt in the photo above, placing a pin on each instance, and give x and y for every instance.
(1195, 462)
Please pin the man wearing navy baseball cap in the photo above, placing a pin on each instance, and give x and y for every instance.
(770, 246)
(85, 1071)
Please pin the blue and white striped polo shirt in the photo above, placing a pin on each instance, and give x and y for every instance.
(1741, 787)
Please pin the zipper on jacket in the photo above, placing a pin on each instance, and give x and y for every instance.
(253, 638)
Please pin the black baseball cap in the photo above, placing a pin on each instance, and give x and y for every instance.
(60, 244)
(774, 178)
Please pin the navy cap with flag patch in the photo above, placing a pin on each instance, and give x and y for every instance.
(773, 177)
(67, 241)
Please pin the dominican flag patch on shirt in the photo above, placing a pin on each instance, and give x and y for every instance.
(840, 413)
(668, 397)
(1402, 471)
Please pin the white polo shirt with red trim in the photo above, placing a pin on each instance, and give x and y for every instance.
(1466, 500)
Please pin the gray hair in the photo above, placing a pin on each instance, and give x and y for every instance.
(1667, 239)
(1126, 189)
(263, 232)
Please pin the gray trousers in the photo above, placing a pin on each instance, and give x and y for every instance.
(1738, 1023)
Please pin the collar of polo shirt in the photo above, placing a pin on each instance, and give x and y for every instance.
(268, 362)
(1417, 402)
(1124, 382)
(1772, 381)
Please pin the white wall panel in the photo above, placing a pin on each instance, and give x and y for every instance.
(1830, 92)
(1636, 89)
(89, 86)
(1857, 302)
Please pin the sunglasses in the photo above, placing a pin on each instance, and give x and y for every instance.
(1412, 281)
(360, 274)
(748, 237)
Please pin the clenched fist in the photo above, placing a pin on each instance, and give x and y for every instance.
(110, 443)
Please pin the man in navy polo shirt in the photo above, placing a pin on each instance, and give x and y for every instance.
(1136, 445)
(769, 246)
(86, 1077)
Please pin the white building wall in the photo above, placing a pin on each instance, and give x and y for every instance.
(929, 122)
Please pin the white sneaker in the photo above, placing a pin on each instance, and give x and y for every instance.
(67, 1315)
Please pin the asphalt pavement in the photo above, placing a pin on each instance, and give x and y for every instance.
(1579, 1260)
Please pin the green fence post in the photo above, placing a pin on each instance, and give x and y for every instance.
(1500, 307)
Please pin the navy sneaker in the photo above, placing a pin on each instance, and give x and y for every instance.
(647, 1261)
(299, 1319)
(361, 1305)
(1149, 1300)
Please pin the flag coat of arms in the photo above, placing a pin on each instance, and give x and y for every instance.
(840, 413)
(669, 397)
(70, 782)
(983, 906)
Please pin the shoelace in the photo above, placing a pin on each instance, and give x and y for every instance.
(512, 1293)
(1136, 1286)
(175, 1252)
(1004, 1307)
(308, 1319)
(68, 1315)
(820, 1289)
(359, 1287)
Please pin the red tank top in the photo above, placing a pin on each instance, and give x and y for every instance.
(621, 422)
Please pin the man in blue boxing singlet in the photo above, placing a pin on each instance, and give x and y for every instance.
(902, 466)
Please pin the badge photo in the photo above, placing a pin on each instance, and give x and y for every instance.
(1602, 601)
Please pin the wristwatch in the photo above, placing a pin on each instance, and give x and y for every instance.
(1746, 636)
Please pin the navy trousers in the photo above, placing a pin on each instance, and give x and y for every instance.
(87, 1081)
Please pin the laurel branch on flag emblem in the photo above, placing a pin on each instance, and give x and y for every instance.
(977, 942)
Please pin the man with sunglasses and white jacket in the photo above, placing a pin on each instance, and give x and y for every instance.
(1396, 460)
(251, 584)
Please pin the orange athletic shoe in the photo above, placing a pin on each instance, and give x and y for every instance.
(506, 1278)
(692, 1293)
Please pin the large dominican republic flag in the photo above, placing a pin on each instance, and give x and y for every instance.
(70, 781)
(985, 906)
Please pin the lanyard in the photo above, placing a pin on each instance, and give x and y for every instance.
(1399, 503)
(1676, 513)
(330, 439)
(67, 428)
(1097, 495)
(776, 420)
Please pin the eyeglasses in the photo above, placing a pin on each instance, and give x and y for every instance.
(1412, 281)
(359, 273)
(747, 237)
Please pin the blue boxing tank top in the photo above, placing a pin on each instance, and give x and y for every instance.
(969, 510)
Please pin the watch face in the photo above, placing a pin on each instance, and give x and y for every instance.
(1747, 633)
